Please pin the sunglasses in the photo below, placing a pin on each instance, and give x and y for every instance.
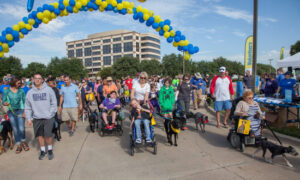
(250, 98)
(186, 79)
(142, 77)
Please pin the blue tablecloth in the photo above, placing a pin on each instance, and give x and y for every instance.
(276, 102)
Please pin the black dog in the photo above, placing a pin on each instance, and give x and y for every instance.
(5, 134)
(56, 128)
(200, 120)
(276, 150)
(172, 128)
(93, 120)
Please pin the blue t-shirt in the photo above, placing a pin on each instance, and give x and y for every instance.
(203, 87)
(2, 88)
(287, 84)
(92, 85)
(279, 77)
(25, 89)
(60, 84)
(70, 94)
(197, 82)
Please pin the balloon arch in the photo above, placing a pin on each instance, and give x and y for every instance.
(48, 12)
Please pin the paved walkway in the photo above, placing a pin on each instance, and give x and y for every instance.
(198, 156)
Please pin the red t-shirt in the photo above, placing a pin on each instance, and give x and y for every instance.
(128, 83)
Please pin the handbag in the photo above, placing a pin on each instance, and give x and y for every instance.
(90, 97)
(243, 127)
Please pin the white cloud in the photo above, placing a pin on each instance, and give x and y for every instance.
(15, 11)
(53, 26)
(208, 37)
(239, 34)
(27, 59)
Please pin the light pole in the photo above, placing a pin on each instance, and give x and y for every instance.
(254, 44)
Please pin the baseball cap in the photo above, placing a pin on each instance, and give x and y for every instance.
(222, 69)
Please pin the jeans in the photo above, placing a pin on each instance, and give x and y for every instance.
(185, 105)
(18, 125)
(137, 124)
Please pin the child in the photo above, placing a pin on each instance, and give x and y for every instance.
(153, 96)
(167, 99)
(127, 94)
(140, 114)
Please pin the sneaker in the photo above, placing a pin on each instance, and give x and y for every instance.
(112, 126)
(185, 128)
(148, 141)
(138, 141)
(42, 155)
(50, 155)
(107, 126)
(71, 133)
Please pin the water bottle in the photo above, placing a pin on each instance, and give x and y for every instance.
(122, 115)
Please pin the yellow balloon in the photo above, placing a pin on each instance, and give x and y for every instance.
(45, 20)
(21, 24)
(139, 9)
(65, 12)
(66, 3)
(141, 0)
(132, 5)
(120, 6)
(53, 15)
(47, 13)
(157, 18)
(16, 27)
(146, 17)
(5, 47)
(145, 11)
(9, 37)
(31, 22)
(1, 54)
(175, 44)
(104, 4)
(126, 4)
(114, 3)
(108, 1)
(129, 11)
(0, 43)
(28, 27)
(166, 28)
(21, 35)
(98, 2)
(39, 16)
(91, 9)
(55, 4)
(186, 42)
(151, 13)
(166, 34)
(78, 4)
(75, 10)
(101, 9)
(172, 33)
(84, 2)
(181, 43)
(187, 56)
(158, 29)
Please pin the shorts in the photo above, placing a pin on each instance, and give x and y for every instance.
(43, 127)
(69, 114)
(222, 105)
(166, 111)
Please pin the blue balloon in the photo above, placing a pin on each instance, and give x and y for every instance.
(51, 8)
(1, 49)
(25, 19)
(171, 28)
(115, 10)
(72, 2)
(3, 39)
(185, 48)
(40, 9)
(3, 33)
(91, 1)
(178, 33)
(30, 16)
(45, 6)
(95, 7)
(182, 37)
(196, 49)
(15, 34)
(9, 30)
(151, 20)
(70, 9)
(135, 17)
(109, 7)
(10, 43)
(30, 5)
(61, 1)
(119, 1)
(148, 24)
(17, 39)
(191, 49)
(24, 31)
(161, 24)
(167, 22)
(179, 48)
(155, 25)
(89, 5)
(124, 11)
(134, 10)
(38, 21)
(34, 13)
(170, 39)
(161, 32)
(140, 14)
(177, 38)
(61, 7)
(36, 25)
(141, 20)
(57, 12)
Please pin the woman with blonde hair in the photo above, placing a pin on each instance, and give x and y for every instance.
(141, 89)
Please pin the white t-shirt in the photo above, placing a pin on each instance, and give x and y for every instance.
(140, 92)
(134, 81)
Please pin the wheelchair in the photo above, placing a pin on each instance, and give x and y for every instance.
(133, 137)
(118, 129)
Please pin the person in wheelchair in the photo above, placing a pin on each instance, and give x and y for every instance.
(251, 110)
(111, 104)
(140, 114)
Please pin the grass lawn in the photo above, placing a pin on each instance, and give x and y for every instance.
(290, 131)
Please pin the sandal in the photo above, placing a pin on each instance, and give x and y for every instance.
(225, 125)
(19, 149)
(25, 146)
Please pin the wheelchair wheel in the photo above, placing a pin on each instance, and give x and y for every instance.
(234, 140)
(242, 147)
(131, 145)
(101, 133)
(120, 132)
(155, 148)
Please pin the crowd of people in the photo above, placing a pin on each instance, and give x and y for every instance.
(42, 100)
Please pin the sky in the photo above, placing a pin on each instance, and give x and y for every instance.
(217, 27)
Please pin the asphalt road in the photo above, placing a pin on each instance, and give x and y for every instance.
(198, 156)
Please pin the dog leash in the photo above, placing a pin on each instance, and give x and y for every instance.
(10, 108)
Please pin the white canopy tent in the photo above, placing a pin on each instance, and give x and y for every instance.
(291, 61)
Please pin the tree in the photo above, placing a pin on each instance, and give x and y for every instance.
(11, 65)
(105, 72)
(152, 67)
(295, 48)
(265, 68)
(172, 64)
(72, 67)
(126, 66)
(33, 68)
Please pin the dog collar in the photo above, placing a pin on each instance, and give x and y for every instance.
(175, 130)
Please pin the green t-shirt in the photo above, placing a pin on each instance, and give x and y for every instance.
(16, 100)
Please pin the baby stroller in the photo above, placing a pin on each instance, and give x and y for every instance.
(133, 137)
(118, 129)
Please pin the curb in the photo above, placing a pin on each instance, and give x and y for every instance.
(212, 112)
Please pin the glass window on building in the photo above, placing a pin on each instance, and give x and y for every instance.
(87, 51)
(127, 37)
(88, 62)
(128, 47)
(117, 48)
(78, 52)
(97, 41)
(70, 53)
(95, 47)
(151, 39)
(115, 58)
(137, 38)
(150, 56)
(150, 50)
(70, 46)
(106, 41)
(97, 64)
(96, 58)
(87, 43)
(137, 47)
(128, 55)
(94, 53)
(96, 69)
(106, 60)
(138, 56)
(79, 45)
(151, 44)
(116, 39)
(106, 49)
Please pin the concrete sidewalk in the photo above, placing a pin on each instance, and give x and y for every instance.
(198, 156)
